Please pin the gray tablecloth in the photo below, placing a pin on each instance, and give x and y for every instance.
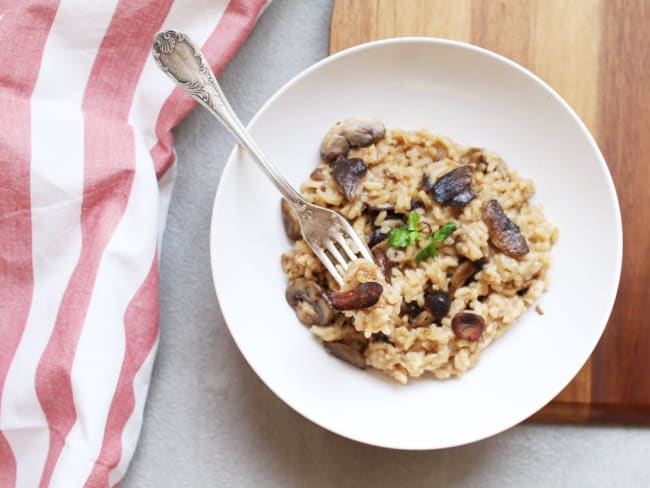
(210, 421)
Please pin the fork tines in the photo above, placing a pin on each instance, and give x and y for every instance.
(339, 251)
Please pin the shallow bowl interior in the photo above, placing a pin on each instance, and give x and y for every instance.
(476, 98)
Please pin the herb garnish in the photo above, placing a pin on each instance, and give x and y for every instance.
(431, 249)
(408, 234)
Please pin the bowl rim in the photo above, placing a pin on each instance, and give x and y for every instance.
(612, 194)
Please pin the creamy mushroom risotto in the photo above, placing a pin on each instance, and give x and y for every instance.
(460, 251)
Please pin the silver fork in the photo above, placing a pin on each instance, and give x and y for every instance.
(329, 235)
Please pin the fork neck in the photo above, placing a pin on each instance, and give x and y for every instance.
(184, 63)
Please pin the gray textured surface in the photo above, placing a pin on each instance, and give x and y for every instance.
(211, 422)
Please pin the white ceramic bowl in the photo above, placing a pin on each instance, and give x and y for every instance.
(477, 98)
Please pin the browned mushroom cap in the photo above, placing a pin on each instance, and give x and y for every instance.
(473, 155)
(441, 150)
(454, 188)
(438, 303)
(346, 353)
(353, 132)
(318, 174)
(348, 173)
(385, 266)
(504, 233)
(462, 273)
(333, 146)
(362, 131)
(290, 221)
(363, 296)
(468, 326)
(309, 301)
(377, 236)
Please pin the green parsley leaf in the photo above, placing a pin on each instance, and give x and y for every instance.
(399, 237)
(443, 232)
(428, 251)
(431, 249)
(412, 238)
(406, 234)
(413, 221)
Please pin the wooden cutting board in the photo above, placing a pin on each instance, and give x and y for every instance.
(596, 54)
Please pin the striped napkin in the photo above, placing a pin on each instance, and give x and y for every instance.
(86, 171)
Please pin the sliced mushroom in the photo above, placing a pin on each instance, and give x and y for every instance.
(412, 309)
(415, 203)
(473, 156)
(438, 303)
(385, 266)
(462, 273)
(423, 319)
(380, 337)
(377, 236)
(318, 174)
(391, 213)
(417, 316)
(454, 188)
(290, 221)
(346, 353)
(348, 173)
(468, 326)
(363, 296)
(309, 301)
(442, 151)
(333, 146)
(479, 263)
(427, 185)
(353, 132)
(362, 131)
(504, 233)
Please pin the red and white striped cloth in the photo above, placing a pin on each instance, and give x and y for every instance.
(86, 168)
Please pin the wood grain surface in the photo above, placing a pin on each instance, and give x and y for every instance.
(596, 54)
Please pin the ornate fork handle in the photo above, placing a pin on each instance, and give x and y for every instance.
(185, 64)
